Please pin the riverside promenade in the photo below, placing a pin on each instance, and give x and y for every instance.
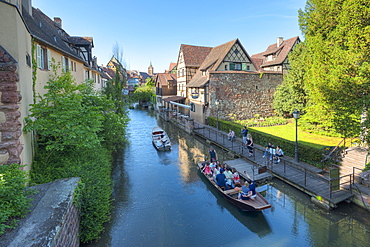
(305, 177)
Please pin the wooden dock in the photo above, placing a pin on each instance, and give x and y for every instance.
(248, 170)
(302, 176)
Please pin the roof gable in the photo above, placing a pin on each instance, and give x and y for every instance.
(194, 55)
(232, 51)
(280, 52)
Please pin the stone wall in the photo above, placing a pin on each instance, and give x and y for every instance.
(242, 95)
(53, 220)
(10, 127)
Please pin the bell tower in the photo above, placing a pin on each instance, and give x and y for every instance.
(150, 69)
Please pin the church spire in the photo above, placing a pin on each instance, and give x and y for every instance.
(151, 69)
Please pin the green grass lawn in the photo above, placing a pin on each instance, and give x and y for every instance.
(288, 132)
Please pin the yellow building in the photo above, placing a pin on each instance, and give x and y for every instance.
(23, 28)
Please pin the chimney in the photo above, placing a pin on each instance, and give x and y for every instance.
(279, 41)
(58, 22)
(27, 6)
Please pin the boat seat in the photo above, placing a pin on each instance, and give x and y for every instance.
(229, 191)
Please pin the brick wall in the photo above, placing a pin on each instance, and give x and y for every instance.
(242, 95)
(68, 233)
(10, 127)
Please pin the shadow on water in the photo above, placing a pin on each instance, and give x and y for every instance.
(254, 221)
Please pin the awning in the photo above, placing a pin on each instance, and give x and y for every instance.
(174, 98)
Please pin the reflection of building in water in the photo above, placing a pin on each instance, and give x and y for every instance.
(189, 154)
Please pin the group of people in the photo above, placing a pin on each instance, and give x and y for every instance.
(227, 178)
(247, 139)
(274, 153)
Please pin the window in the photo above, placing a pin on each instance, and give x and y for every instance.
(28, 60)
(65, 64)
(235, 66)
(248, 67)
(43, 58)
(225, 66)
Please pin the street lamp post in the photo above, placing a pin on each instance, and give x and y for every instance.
(296, 114)
(217, 103)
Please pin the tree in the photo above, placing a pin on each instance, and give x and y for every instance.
(61, 118)
(291, 94)
(336, 64)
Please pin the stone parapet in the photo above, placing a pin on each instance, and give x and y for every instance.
(53, 220)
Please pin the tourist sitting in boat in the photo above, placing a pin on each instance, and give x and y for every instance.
(252, 188)
(245, 193)
(229, 178)
(221, 180)
(236, 176)
(216, 170)
(207, 169)
(231, 135)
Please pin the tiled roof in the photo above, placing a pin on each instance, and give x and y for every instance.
(172, 65)
(76, 40)
(216, 56)
(257, 62)
(194, 55)
(281, 52)
(212, 62)
(163, 78)
(109, 72)
(44, 30)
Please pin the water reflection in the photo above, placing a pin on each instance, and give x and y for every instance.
(160, 200)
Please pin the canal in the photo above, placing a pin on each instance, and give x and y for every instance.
(160, 200)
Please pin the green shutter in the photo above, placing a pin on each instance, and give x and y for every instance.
(232, 66)
(244, 66)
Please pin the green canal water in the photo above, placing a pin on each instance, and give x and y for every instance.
(160, 199)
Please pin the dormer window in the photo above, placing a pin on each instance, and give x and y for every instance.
(204, 73)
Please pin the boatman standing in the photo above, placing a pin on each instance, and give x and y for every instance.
(212, 154)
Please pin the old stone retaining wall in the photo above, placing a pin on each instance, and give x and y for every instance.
(53, 220)
(10, 127)
(243, 95)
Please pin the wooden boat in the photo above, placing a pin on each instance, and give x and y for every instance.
(160, 139)
(257, 204)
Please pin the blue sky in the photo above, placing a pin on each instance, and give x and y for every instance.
(152, 31)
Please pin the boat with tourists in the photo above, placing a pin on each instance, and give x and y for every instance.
(258, 203)
(160, 139)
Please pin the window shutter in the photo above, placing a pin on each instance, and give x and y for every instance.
(244, 66)
(63, 64)
(232, 66)
(38, 56)
(48, 58)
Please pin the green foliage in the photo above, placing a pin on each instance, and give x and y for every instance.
(142, 94)
(113, 91)
(61, 118)
(269, 121)
(367, 167)
(13, 196)
(336, 64)
(291, 95)
(78, 131)
(93, 165)
(150, 82)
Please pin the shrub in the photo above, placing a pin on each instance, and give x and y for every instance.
(13, 196)
(307, 154)
(93, 165)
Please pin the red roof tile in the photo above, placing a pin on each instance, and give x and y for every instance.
(194, 55)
